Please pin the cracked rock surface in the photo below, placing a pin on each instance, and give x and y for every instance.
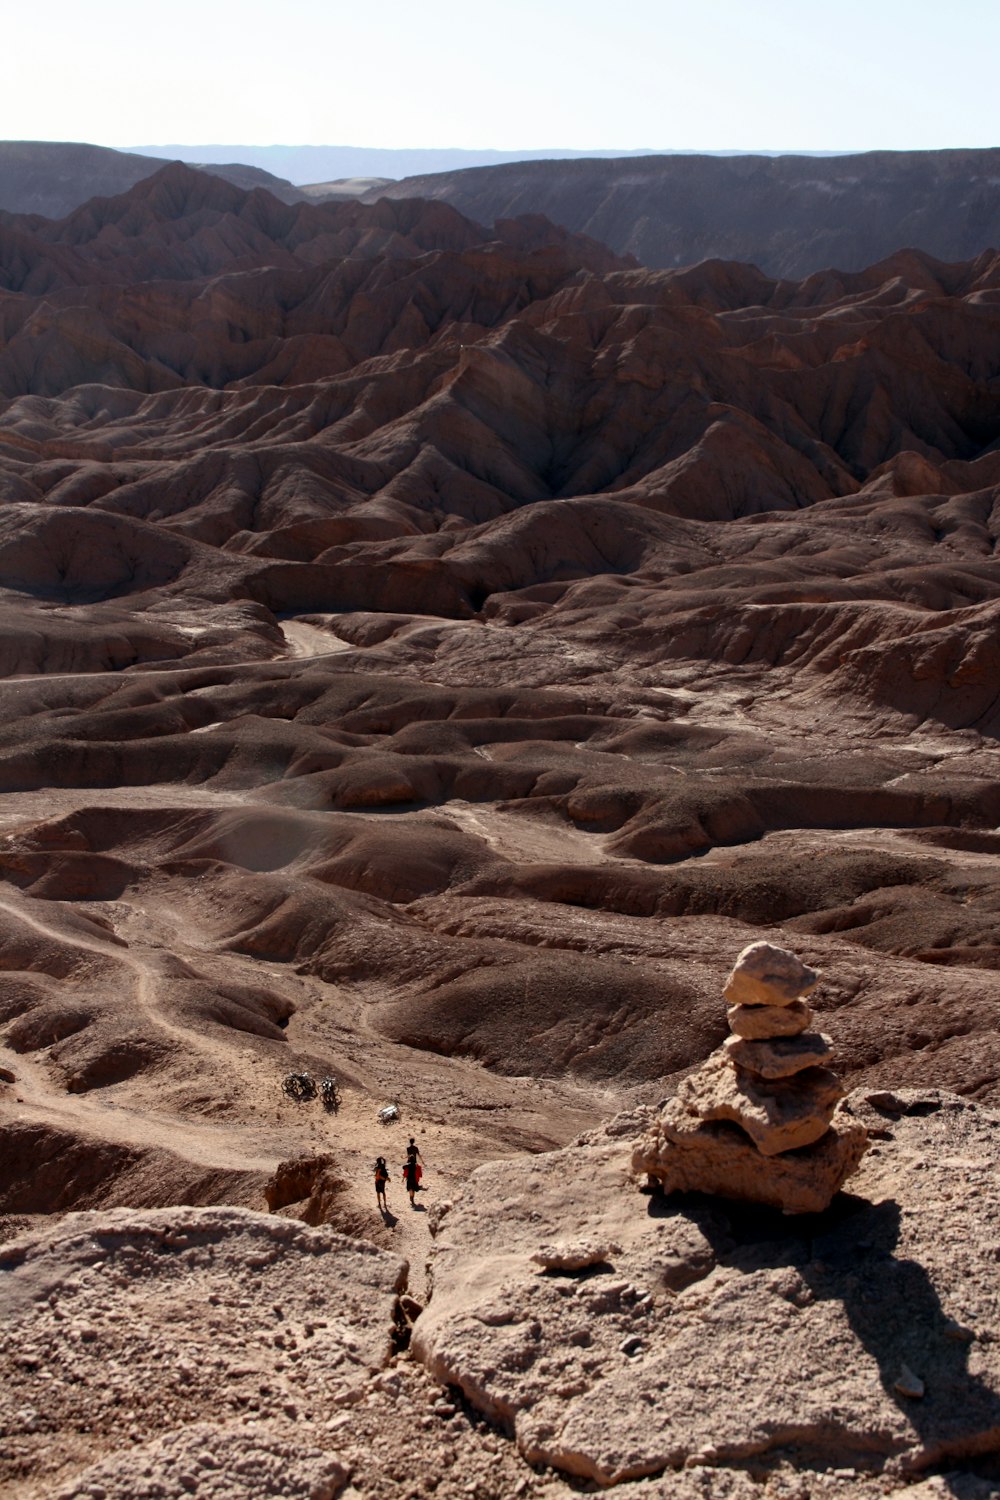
(729, 1336)
(203, 1459)
(131, 1325)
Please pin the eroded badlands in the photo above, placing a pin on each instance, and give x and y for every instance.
(431, 654)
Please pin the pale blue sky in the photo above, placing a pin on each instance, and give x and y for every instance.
(708, 74)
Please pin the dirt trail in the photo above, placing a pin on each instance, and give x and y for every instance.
(144, 990)
(312, 640)
(201, 1142)
(460, 1114)
(529, 839)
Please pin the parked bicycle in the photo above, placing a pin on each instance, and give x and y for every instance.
(299, 1086)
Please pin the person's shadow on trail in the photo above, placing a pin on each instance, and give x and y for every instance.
(388, 1218)
(846, 1255)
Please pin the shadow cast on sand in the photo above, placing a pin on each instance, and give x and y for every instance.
(846, 1254)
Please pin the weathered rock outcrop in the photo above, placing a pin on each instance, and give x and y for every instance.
(757, 1121)
(307, 1187)
(618, 1335)
(128, 1324)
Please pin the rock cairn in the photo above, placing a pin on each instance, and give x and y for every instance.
(759, 1119)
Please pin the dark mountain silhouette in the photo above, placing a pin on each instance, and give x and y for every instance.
(182, 224)
(789, 215)
(52, 178)
(311, 164)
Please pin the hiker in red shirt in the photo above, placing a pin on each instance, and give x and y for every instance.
(381, 1178)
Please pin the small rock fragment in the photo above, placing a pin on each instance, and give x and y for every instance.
(908, 1384)
(575, 1255)
(887, 1102)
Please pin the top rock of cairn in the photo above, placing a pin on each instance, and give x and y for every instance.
(766, 975)
(758, 1120)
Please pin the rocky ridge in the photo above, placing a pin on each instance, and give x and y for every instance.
(697, 1332)
(577, 1327)
(52, 178)
(789, 215)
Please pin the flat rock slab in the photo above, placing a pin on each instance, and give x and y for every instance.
(777, 1115)
(123, 1323)
(721, 1160)
(753, 1021)
(780, 1056)
(733, 1336)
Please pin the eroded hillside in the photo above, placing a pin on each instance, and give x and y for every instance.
(791, 215)
(432, 652)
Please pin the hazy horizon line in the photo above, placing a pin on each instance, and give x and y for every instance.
(511, 150)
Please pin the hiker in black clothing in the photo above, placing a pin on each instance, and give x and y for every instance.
(412, 1172)
(410, 1175)
(381, 1178)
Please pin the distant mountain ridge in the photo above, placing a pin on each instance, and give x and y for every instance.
(788, 215)
(304, 165)
(52, 178)
(181, 225)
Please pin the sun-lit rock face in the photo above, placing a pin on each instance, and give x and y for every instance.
(758, 1120)
(713, 1331)
(764, 976)
(168, 1323)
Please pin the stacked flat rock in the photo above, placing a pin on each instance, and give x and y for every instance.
(759, 1119)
